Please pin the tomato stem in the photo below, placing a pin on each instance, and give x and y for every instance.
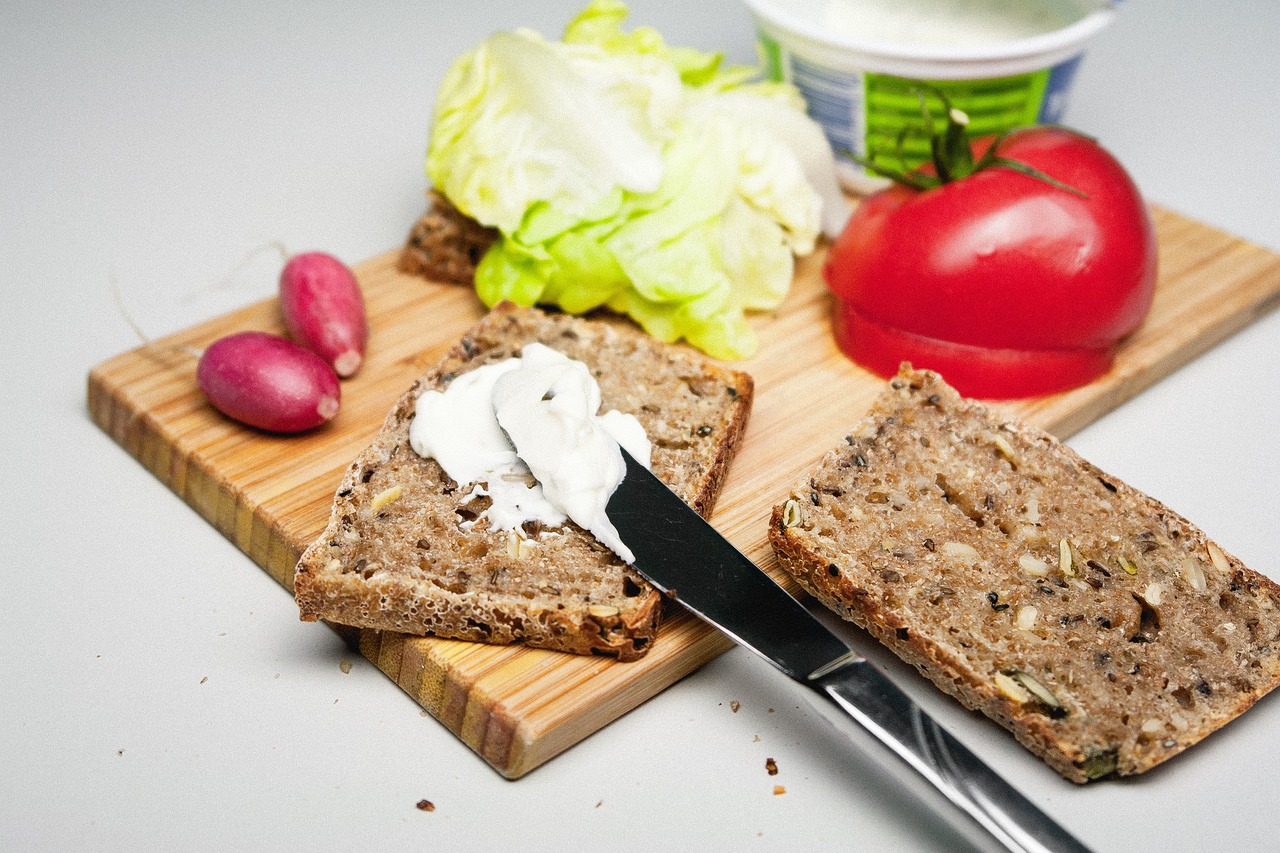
(951, 153)
(1030, 171)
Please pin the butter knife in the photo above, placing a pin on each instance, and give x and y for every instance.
(686, 558)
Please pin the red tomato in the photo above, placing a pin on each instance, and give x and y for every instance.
(1005, 284)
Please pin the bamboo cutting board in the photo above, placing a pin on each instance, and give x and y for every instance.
(518, 707)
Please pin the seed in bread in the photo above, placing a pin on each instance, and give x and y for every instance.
(1104, 630)
(406, 549)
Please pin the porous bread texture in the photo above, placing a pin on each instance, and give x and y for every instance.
(396, 556)
(444, 244)
(1101, 628)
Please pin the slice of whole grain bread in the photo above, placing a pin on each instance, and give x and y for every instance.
(1104, 630)
(397, 553)
(445, 244)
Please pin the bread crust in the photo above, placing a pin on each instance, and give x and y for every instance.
(939, 523)
(410, 565)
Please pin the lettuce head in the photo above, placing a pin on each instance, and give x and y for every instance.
(624, 173)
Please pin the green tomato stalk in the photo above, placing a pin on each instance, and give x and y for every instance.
(951, 154)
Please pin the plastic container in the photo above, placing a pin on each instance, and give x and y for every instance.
(863, 91)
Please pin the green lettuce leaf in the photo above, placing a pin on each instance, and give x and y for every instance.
(624, 173)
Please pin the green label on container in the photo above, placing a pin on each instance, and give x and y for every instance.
(895, 123)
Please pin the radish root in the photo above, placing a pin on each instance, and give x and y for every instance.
(137, 330)
(229, 279)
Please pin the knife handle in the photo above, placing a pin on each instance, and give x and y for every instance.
(919, 753)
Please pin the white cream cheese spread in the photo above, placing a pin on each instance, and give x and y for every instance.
(525, 432)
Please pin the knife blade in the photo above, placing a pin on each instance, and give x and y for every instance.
(683, 556)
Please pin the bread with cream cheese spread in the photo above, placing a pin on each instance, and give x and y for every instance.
(1104, 630)
(398, 555)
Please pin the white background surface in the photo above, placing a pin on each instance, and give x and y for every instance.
(158, 690)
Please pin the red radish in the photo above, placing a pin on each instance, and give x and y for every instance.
(324, 310)
(268, 382)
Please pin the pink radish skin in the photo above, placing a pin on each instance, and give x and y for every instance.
(268, 382)
(324, 309)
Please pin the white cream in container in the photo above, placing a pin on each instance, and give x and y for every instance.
(1006, 63)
